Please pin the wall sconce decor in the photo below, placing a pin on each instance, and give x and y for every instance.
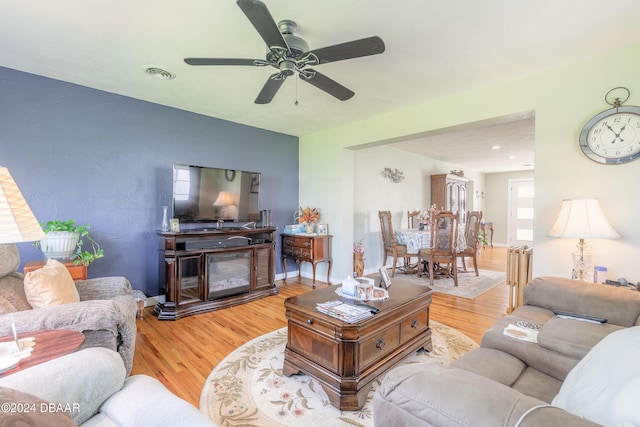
(394, 176)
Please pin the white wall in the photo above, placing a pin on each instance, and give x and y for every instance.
(563, 100)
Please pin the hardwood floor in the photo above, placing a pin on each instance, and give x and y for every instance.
(182, 353)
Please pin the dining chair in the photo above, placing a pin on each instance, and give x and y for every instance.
(444, 236)
(471, 231)
(413, 219)
(389, 246)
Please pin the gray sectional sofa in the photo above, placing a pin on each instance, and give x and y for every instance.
(510, 381)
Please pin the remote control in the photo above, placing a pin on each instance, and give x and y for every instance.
(579, 316)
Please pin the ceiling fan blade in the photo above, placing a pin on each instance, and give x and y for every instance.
(270, 88)
(262, 20)
(324, 83)
(225, 61)
(354, 49)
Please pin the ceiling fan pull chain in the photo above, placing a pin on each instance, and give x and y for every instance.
(296, 103)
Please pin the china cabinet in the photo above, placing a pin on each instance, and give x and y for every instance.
(449, 192)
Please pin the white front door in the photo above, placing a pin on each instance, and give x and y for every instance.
(520, 220)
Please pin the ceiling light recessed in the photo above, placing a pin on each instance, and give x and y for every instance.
(511, 157)
(496, 147)
(159, 73)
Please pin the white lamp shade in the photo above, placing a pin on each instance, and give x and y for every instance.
(224, 199)
(582, 219)
(17, 222)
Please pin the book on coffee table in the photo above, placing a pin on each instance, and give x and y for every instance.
(346, 312)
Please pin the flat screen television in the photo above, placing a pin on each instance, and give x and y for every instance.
(207, 194)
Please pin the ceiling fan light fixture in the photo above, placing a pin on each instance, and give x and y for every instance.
(288, 68)
(159, 73)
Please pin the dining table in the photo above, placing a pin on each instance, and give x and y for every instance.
(416, 239)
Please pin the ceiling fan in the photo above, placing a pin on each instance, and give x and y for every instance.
(290, 54)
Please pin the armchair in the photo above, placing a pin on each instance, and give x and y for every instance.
(105, 314)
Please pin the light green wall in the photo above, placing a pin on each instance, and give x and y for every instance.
(563, 100)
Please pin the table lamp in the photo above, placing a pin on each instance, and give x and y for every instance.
(224, 199)
(582, 219)
(17, 222)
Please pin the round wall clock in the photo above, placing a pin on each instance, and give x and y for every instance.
(613, 136)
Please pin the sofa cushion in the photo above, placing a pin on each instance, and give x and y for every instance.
(550, 362)
(493, 364)
(537, 384)
(12, 297)
(9, 259)
(145, 401)
(50, 285)
(82, 380)
(574, 338)
(619, 306)
(440, 395)
(605, 385)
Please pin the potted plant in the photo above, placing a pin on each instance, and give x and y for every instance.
(65, 240)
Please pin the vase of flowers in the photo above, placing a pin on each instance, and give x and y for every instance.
(309, 217)
(358, 259)
(425, 217)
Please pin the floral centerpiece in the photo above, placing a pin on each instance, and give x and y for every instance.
(308, 216)
(425, 217)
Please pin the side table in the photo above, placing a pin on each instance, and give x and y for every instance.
(487, 227)
(307, 248)
(78, 272)
(49, 345)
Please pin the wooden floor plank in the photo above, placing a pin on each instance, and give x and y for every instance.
(182, 353)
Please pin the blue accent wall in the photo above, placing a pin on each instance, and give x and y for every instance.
(105, 159)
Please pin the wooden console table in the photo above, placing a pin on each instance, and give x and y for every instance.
(78, 272)
(345, 358)
(303, 248)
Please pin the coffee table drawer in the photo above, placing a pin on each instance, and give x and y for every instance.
(316, 347)
(314, 324)
(378, 345)
(414, 325)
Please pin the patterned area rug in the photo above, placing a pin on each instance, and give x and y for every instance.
(247, 388)
(469, 286)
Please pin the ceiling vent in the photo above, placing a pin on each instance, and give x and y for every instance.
(159, 73)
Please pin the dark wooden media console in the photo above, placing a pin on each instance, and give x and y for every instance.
(215, 268)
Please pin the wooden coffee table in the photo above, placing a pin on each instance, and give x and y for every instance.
(49, 345)
(345, 358)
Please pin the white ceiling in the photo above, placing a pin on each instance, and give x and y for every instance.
(434, 48)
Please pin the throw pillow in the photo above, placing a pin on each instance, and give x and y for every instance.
(50, 285)
(603, 387)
